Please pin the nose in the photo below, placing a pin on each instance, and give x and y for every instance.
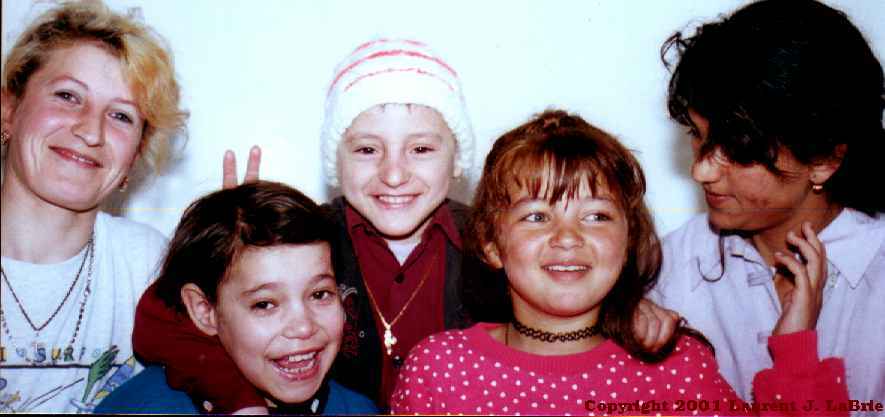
(300, 324)
(566, 236)
(708, 168)
(88, 128)
(394, 170)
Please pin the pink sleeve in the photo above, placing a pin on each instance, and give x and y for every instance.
(799, 377)
(413, 393)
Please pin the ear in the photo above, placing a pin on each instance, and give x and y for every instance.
(492, 255)
(200, 310)
(821, 171)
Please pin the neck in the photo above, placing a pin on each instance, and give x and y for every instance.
(33, 230)
(774, 239)
(552, 324)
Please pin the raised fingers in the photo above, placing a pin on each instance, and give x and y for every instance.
(253, 165)
(229, 170)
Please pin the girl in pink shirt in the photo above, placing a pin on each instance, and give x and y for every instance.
(560, 210)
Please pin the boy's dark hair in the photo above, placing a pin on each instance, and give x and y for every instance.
(215, 229)
(555, 152)
(785, 74)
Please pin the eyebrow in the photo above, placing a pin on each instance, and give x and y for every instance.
(529, 199)
(272, 285)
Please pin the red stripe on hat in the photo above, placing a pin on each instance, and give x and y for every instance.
(389, 70)
(384, 40)
(382, 54)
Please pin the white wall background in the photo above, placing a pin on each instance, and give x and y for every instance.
(255, 72)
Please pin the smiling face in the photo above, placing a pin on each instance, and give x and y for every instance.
(279, 317)
(752, 198)
(396, 163)
(561, 259)
(75, 131)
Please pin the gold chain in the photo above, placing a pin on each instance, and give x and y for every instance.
(389, 339)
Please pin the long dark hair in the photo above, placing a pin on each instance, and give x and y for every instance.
(215, 229)
(785, 74)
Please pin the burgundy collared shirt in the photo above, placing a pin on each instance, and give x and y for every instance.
(393, 284)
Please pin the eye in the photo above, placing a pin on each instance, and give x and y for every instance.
(322, 295)
(597, 217)
(423, 149)
(365, 150)
(535, 217)
(263, 305)
(123, 117)
(67, 96)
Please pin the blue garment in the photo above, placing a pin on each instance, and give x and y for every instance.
(148, 393)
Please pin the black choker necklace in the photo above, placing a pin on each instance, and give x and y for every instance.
(549, 337)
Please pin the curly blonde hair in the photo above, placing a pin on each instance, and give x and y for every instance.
(146, 63)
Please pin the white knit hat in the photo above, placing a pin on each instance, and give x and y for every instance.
(386, 71)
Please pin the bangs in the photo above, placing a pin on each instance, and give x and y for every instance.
(557, 168)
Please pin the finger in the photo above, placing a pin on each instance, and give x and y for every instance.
(669, 323)
(653, 331)
(253, 165)
(800, 276)
(815, 242)
(640, 324)
(229, 170)
(811, 255)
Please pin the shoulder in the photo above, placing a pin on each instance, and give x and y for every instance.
(147, 392)
(690, 358)
(129, 234)
(460, 213)
(695, 234)
(681, 250)
(346, 401)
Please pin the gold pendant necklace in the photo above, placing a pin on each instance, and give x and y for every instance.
(389, 338)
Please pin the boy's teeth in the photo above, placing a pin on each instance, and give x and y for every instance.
(567, 268)
(301, 369)
(302, 357)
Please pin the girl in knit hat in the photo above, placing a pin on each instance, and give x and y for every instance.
(560, 209)
(396, 135)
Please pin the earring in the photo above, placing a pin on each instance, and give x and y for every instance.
(4, 137)
(817, 188)
(124, 185)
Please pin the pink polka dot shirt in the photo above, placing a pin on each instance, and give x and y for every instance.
(466, 371)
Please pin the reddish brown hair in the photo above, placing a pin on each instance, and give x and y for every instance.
(555, 152)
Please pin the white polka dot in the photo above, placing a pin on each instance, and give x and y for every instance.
(704, 365)
(838, 379)
(565, 397)
(448, 351)
(503, 394)
(608, 382)
(436, 357)
(575, 387)
(564, 379)
(624, 380)
(534, 405)
(446, 374)
(585, 376)
(518, 382)
(534, 389)
(522, 394)
(545, 396)
(592, 393)
(485, 392)
(450, 365)
(688, 379)
(419, 395)
(648, 379)
(635, 389)
(777, 396)
(475, 365)
(463, 397)
(621, 363)
(494, 383)
(673, 371)
(651, 391)
(466, 383)
(489, 404)
(599, 366)
(681, 391)
(614, 395)
(553, 385)
(686, 358)
(504, 376)
(426, 350)
(463, 373)
(426, 367)
(612, 369)
(638, 373)
(461, 359)
(420, 380)
(613, 356)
